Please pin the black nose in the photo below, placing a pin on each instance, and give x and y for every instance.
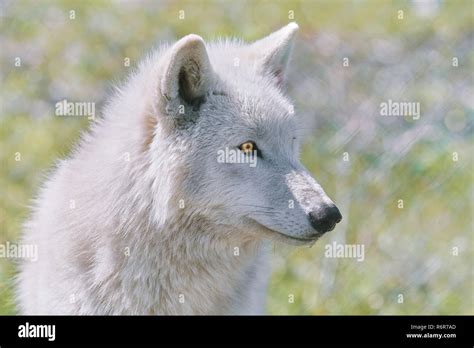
(325, 219)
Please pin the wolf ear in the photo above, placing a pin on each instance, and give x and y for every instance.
(272, 53)
(187, 71)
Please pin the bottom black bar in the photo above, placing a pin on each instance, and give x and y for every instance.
(327, 330)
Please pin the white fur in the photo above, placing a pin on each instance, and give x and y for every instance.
(111, 233)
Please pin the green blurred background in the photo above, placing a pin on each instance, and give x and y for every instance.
(408, 251)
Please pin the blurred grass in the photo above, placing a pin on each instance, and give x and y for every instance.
(408, 251)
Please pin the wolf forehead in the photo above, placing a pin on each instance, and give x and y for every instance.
(249, 113)
(253, 103)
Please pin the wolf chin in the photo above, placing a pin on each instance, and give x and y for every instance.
(143, 219)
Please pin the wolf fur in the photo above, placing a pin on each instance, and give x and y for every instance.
(142, 219)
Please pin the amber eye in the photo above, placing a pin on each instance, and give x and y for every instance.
(250, 148)
(247, 147)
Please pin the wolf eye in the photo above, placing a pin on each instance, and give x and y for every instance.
(249, 147)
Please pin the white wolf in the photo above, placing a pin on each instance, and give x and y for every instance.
(143, 218)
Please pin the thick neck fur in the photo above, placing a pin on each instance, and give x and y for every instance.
(188, 268)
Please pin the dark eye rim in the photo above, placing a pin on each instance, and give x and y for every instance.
(255, 147)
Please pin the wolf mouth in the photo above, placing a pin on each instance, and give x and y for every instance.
(274, 234)
(306, 240)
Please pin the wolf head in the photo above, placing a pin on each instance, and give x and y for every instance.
(222, 116)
